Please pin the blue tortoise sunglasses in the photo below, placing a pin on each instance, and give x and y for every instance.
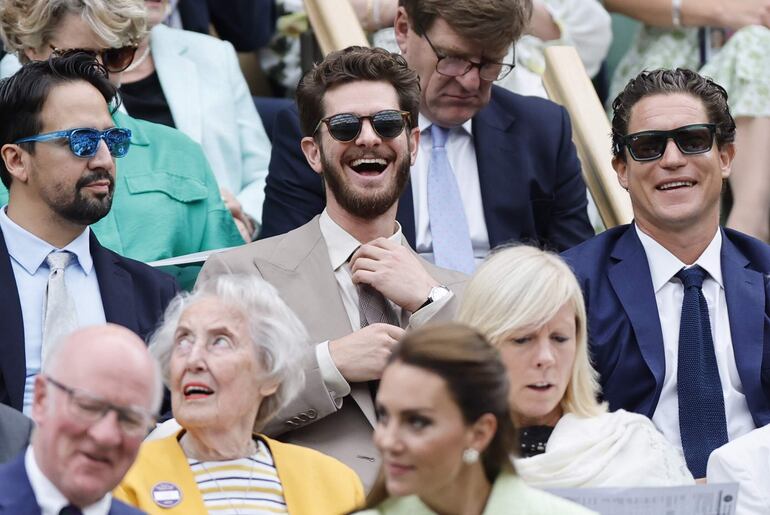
(84, 142)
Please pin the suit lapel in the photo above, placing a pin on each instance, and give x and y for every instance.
(500, 169)
(115, 286)
(405, 215)
(17, 496)
(299, 265)
(745, 295)
(13, 363)
(178, 76)
(630, 278)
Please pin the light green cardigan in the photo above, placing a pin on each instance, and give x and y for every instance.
(509, 496)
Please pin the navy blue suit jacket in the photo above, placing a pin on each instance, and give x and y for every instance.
(247, 24)
(531, 184)
(18, 498)
(625, 336)
(134, 295)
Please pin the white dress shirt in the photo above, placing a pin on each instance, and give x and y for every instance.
(341, 245)
(28, 253)
(462, 157)
(669, 294)
(49, 498)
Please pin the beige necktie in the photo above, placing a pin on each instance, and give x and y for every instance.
(373, 307)
(60, 317)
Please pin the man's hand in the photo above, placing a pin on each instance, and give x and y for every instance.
(242, 220)
(394, 271)
(361, 355)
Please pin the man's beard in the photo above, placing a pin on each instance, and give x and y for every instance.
(366, 207)
(86, 210)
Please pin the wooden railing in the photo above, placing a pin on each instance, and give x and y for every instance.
(567, 83)
(335, 24)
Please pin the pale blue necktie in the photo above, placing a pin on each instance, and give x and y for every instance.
(452, 246)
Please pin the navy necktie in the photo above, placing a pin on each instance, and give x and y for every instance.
(70, 510)
(701, 403)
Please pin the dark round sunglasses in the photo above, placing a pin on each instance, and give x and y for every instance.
(84, 142)
(115, 60)
(346, 127)
(690, 139)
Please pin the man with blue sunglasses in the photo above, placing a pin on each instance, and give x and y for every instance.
(678, 307)
(59, 147)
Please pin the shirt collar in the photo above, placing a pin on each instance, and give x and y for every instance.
(424, 124)
(30, 251)
(664, 265)
(340, 243)
(49, 498)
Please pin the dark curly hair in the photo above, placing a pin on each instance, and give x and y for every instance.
(352, 64)
(664, 81)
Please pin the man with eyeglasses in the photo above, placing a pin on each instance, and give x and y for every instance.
(59, 146)
(677, 306)
(95, 401)
(503, 165)
(349, 274)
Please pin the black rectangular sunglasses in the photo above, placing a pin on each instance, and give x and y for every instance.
(346, 127)
(690, 139)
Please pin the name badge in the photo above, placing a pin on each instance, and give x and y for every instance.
(166, 495)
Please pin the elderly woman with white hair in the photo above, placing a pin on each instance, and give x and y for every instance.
(529, 304)
(230, 354)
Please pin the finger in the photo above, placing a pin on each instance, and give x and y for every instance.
(364, 277)
(369, 251)
(364, 263)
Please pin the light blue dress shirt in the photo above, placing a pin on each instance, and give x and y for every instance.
(28, 253)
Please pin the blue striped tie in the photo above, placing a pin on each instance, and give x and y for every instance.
(701, 403)
(452, 246)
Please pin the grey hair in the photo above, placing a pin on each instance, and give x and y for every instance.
(279, 338)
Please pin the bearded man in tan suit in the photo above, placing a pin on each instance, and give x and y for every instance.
(349, 274)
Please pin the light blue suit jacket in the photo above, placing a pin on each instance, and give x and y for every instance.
(211, 103)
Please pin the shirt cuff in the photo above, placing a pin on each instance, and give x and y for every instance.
(423, 315)
(337, 386)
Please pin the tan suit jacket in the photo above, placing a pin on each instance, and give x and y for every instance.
(297, 264)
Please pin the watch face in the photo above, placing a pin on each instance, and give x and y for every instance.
(438, 292)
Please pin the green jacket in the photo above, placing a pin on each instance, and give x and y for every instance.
(509, 496)
(166, 202)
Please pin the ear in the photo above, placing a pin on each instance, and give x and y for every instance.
(401, 26)
(621, 168)
(268, 388)
(15, 159)
(414, 142)
(312, 152)
(40, 399)
(726, 156)
(37, 54)
(482, 431)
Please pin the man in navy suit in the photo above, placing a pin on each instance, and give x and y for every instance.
(59, 184)
(94, 402)
(704, 382)
(512, 157)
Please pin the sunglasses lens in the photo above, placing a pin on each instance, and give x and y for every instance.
(118, 141)
(694, 140)
(118, 59)
(344, 127)
(84, 142)
(647, 146)
(388, 124)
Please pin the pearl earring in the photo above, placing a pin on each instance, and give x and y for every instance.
(470, 456)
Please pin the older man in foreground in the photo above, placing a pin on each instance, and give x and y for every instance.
(94, 403)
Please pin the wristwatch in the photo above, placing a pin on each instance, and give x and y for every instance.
(436, 293)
